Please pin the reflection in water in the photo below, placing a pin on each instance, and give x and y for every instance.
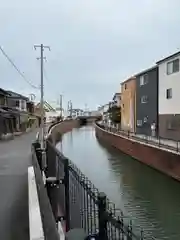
(150, 198)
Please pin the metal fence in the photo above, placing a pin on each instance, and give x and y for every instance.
(77, 203)
(48, 221)
(156, 141)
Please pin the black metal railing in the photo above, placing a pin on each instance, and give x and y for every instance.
(77, 203)
(47, 217)
(156, 141)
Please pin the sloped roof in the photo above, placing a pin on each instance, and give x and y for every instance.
(4, 113)
(16, 95)
(133, 78)
(47, 107)
(4, 92)
(11, 110)
(168, 57)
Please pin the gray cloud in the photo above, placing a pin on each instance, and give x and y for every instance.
(95, 44)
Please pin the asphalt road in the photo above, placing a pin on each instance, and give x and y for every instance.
(15, 157)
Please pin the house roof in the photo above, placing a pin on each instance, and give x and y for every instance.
(140, 73)
(17, 95)
(47, 107)
(11, 110)
(4, 92)
(128, 80)
(2, 110)
(145, 71)
(4, 113)
(169, 57)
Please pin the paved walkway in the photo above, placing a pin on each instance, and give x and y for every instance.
(15, 157)
(160, 142)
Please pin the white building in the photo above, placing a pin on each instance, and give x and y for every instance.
(103, 110)
(76, 112)
(169, 96)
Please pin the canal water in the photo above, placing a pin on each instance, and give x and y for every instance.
(149, 198)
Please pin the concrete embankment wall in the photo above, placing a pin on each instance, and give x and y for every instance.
(59, 129)
(167, 162)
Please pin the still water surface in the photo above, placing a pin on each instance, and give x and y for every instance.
(150, 198)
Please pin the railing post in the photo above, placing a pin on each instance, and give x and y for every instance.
(130, 231)
(67, 200)
(142, 235)
(36, 145)
(50, 160)
(177, 146)
(39, 158)
(52, 191)
(102, 216)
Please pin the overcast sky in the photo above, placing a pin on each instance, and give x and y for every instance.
(95, 44)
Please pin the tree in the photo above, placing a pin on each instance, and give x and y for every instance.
(115, 114)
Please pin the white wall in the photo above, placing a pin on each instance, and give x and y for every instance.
(22, 105)
(51, 115)
(169, 106)
(106, 107)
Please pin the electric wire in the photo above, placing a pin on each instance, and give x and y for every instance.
(17, 69)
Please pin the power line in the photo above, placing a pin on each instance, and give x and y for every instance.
(17, 69)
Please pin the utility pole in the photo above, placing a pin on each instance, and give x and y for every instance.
(85, 109)
(61, 105)
(70, 108)
(42, 129)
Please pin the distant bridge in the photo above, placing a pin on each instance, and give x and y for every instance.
(88, 119)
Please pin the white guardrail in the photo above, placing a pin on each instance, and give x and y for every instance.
(35, 221)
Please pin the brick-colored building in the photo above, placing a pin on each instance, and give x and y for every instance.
(128, 106)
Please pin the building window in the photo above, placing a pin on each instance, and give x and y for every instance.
(125, 86)
(17, 103)
(139, 123)
(169, 93)
(173, 66)
(2, 101)
(143, 79)
(144, 99)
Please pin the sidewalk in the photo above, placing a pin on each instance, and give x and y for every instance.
(160, 142)
(15, 157)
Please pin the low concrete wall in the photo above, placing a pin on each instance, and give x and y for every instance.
(167, 162)
(58, 129)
